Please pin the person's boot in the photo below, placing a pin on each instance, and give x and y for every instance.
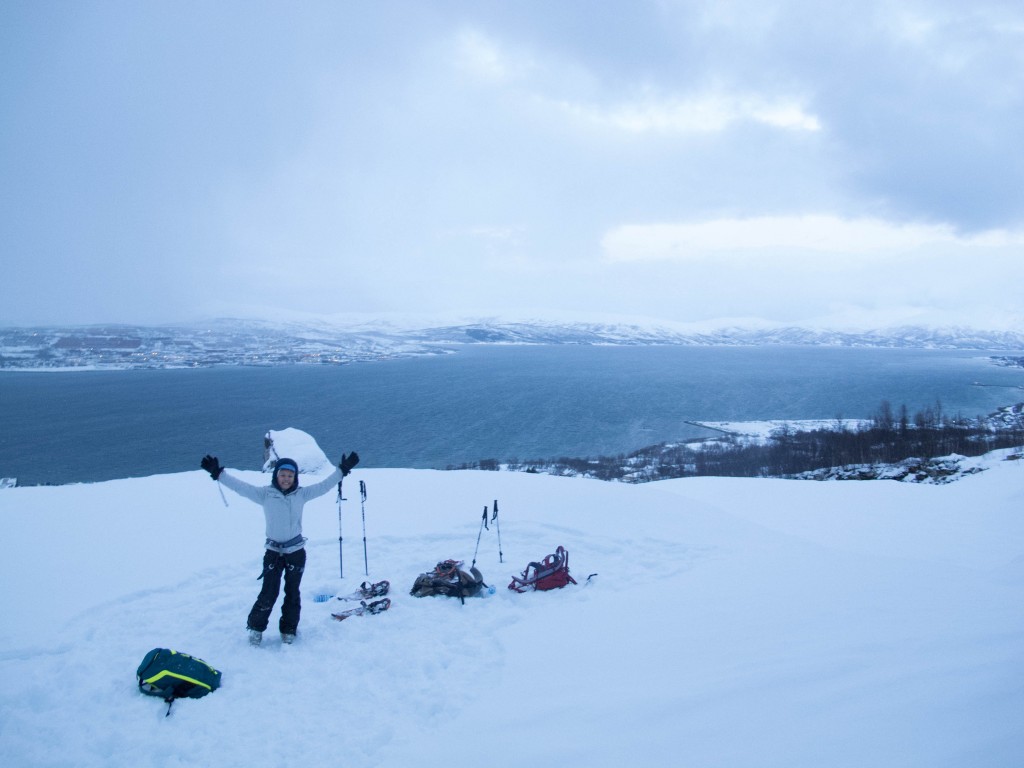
(287, 638)
(255, 637)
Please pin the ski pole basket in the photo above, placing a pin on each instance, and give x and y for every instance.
(550, 573)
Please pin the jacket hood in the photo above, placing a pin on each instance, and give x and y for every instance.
(286, 464)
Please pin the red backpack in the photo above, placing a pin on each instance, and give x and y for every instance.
(551, 573)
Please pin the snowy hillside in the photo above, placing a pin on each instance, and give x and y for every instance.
(733, 623)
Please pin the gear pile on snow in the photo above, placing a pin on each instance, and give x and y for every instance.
(550, 573)
(448, 579)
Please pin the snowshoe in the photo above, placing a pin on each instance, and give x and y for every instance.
(377, 606)
(367, 590)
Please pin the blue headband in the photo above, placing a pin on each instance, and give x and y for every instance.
(292, 467)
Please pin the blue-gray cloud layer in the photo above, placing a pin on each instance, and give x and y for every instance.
(166, 160)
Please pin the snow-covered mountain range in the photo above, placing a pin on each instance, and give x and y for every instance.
(340, 340)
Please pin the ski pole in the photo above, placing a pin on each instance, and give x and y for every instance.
(483, 523)
(362, 494)
(497, 525)
(222, 498)
(341, 557)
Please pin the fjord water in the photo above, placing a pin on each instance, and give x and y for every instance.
(502, 402)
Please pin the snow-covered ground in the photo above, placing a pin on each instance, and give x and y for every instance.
(734, 622)
(761, 431)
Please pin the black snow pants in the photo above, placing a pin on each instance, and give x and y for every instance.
(275, 565)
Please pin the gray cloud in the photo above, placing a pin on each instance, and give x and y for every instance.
(169, 161)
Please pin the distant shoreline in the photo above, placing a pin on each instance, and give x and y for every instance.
(239, 343)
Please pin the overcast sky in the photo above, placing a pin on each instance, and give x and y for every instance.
(830, 163)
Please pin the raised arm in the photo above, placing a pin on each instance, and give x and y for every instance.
(348, 460)
(242, 488)
(322, 487)
(212, 465)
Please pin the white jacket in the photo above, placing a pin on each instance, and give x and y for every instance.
(282, 511)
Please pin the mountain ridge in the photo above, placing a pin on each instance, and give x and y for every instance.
(332, 341)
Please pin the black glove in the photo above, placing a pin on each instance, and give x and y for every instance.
(348, 460)
(211, 465)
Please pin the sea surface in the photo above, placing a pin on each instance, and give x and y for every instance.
(481, 402)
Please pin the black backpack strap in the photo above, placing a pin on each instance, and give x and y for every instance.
(180, 691)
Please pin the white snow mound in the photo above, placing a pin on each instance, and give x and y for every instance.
(295, 444)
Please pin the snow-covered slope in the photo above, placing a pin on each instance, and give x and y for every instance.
(733, 623)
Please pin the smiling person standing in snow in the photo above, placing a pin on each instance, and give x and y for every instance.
(282, 503)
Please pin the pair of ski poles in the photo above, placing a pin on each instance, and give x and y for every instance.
(483, 524)
(341, 555)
